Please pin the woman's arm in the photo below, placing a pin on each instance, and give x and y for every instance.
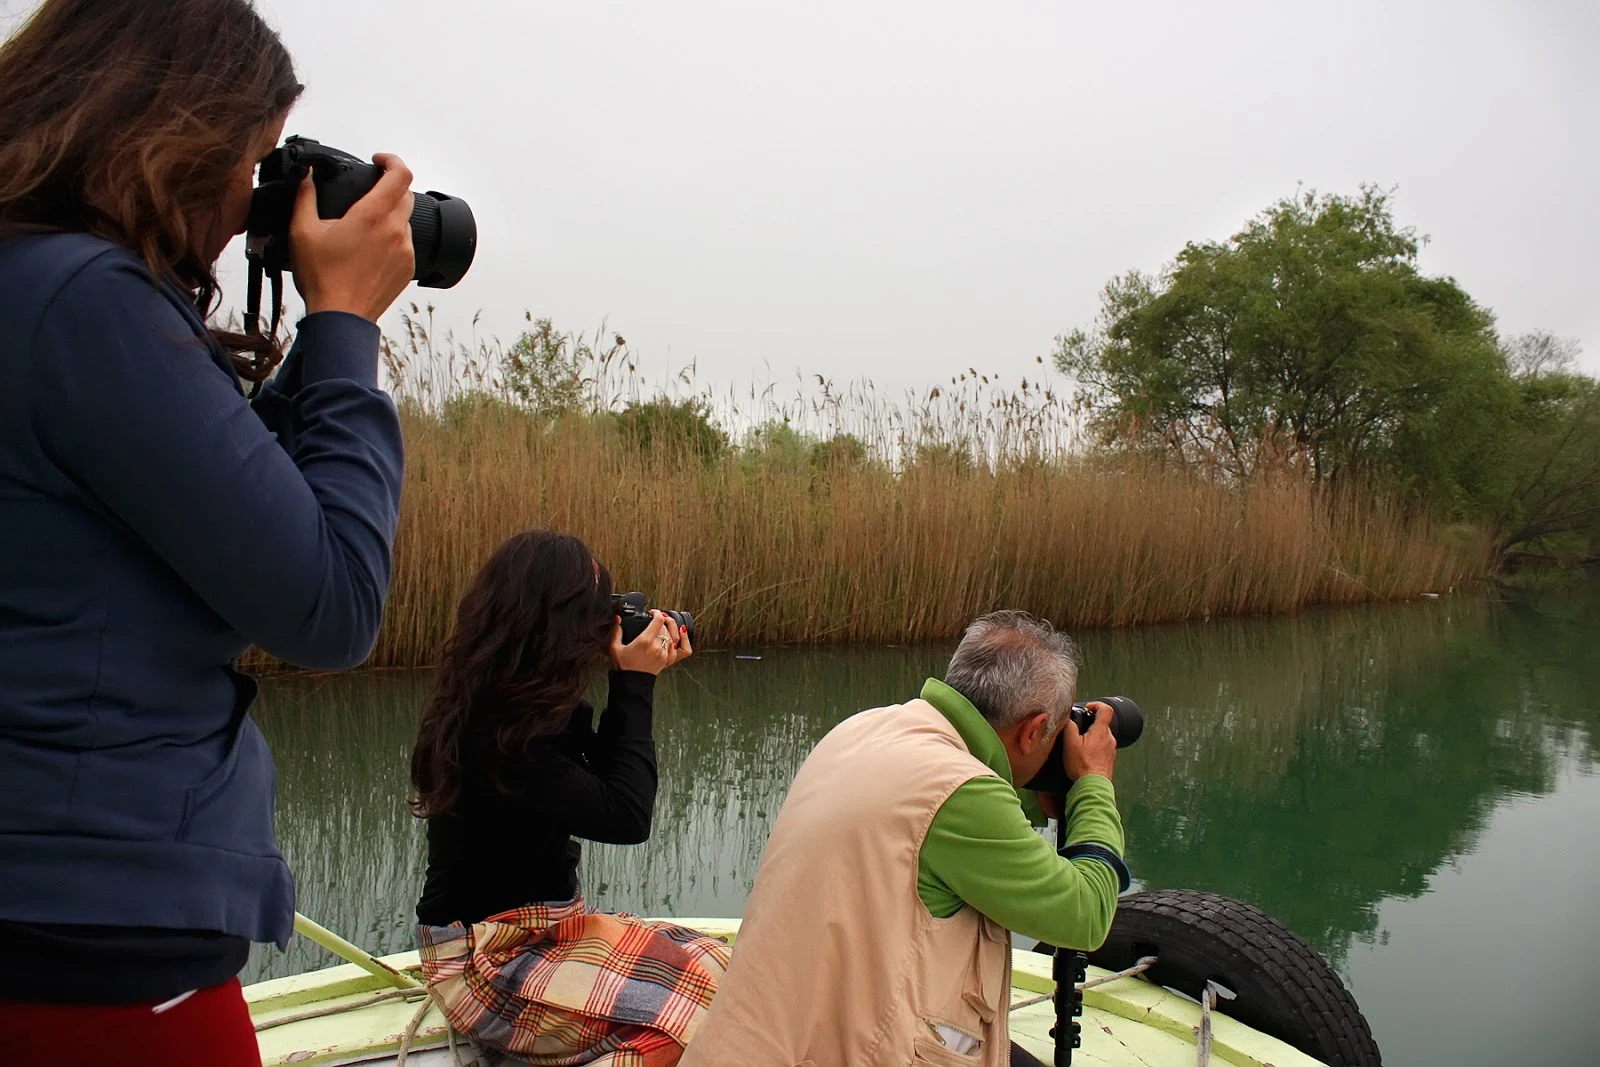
(624, 750)
(291, 550)
(609, 794)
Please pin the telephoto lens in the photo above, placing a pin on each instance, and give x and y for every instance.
(444, 235)
(1127, 724)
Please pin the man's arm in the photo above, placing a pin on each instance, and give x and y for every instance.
(981, 851)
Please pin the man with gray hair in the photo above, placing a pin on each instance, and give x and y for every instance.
(877, 931)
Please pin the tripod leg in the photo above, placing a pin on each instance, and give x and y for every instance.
(1068, 970)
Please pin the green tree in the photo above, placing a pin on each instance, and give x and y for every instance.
(676, 427)
(841, 451)
(777, 445)
(1543, 502)
(1311, 331)
(545, 370)
(1541, 353)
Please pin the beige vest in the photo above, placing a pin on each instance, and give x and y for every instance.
(838, 962)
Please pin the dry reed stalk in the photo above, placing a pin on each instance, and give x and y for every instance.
(968, 498)
(767, 555)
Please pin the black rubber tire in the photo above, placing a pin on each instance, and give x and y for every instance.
(1283, 986)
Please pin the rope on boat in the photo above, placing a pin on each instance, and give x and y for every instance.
(405, 986)
(1208, 1001)
(337, 1009)
(1202, 1043)
(478, 1057)
(411, 1030)
(1144, 964)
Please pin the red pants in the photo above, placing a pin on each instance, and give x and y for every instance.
(211, 1028)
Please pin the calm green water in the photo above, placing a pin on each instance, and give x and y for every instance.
(1413, 789)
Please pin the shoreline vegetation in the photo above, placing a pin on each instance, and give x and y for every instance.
(767, 547)
(1293, 417)
(843, 517)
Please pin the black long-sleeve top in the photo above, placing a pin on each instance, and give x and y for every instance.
(499, 851)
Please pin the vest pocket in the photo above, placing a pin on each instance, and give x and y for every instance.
(929, 1050)
(985, 991)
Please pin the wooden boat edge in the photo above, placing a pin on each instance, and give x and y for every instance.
(328, 1041)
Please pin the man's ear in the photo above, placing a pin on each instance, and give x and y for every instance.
(1034, 733)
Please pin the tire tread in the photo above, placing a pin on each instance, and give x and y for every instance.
(1323, 1019)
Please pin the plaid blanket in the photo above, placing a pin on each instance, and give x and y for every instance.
(561, 985)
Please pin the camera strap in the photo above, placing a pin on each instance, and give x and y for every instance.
(252, 304)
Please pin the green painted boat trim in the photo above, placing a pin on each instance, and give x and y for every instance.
(349, 950)
(1126, 1023)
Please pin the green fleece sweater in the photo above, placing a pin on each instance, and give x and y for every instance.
(982, 850)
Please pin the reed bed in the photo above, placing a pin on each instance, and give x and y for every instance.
(861, 553)
(908, 520)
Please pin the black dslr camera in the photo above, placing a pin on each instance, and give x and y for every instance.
(444, 234)
(1127, 723)
(634, 610)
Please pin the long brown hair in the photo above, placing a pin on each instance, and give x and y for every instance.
(126, 118)
(529, 633)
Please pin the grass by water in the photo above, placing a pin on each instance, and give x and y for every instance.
(769, 552)
(919, 515)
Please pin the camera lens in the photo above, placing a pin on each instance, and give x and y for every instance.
(444, 237)
(1128, 723)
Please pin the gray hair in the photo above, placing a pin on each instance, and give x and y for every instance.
(1011, 665)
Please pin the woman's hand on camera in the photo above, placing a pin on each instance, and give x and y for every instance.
(362, 262)
(662, 644)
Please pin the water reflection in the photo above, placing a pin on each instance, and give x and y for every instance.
(1317, 765)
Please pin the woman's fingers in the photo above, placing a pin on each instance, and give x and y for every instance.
(359, 263)
(647, 652)
(305, 205)
(652, 633)
(392, 192)
(659, 645)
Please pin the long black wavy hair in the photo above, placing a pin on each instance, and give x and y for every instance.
(529, 633)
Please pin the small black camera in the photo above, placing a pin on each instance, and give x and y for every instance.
(634, 611)
(1127, 724)
(444, 235)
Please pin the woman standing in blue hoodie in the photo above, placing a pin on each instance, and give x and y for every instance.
(155, 523)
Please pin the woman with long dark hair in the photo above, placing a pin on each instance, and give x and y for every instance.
(156, 523)
(510, 767)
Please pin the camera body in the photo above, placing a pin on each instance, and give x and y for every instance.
(634, 611)
(1127, 724)
(444, 234)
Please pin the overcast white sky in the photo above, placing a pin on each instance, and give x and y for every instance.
(899, 189)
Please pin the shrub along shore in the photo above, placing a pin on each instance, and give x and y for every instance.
(766, 550)
(1294, 416)
(900, 529)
